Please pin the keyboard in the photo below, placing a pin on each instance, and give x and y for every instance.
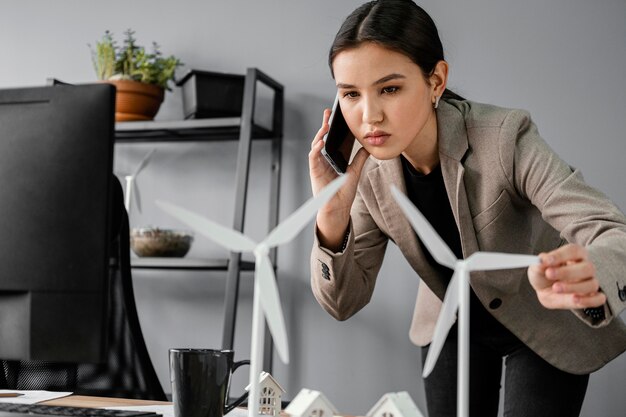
(14, 410)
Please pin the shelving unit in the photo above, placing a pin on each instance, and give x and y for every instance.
(244, 130)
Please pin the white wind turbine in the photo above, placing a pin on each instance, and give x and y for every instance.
(131, 189)
(457, 294)
(266, 301)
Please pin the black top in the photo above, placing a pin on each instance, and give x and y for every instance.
(428, 194)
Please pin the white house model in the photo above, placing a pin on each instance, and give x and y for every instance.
(310, 403)
(395, 404)
(270, 394)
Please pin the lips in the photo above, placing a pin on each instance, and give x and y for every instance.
(377, 137)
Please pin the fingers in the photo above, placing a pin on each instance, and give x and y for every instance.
(317, 144)
(586, 286)
(570, 271)
(552, 300)
(575, 274)
(316, 149)
(566, 279)
(537, 269)
(567, 253)
(323, 130)
(320, 171)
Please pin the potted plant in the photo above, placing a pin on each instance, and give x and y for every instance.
(140, 77)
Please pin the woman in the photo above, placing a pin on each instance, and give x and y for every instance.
(486, 181)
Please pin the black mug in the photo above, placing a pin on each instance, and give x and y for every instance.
(201, 381)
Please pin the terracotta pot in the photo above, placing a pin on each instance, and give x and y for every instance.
(135, 100)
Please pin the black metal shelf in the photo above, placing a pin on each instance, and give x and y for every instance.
(245, 130)
(199, 264)
(219, 129)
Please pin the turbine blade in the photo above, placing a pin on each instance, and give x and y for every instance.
(293, 224)
(228, 238)
(129, 191)
(143, 162)
(137, 197)
(270, 301)
(447, 317)
(494, 260)
(433, 242)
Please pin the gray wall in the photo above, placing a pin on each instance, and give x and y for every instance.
(563, 60)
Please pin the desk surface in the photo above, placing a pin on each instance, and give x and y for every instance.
(98, 402)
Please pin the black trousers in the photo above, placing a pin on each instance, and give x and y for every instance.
(532, 387)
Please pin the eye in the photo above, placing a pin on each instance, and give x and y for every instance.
(350, 94)
(390, 90)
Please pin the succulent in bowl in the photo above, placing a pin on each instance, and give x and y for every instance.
(157, 242)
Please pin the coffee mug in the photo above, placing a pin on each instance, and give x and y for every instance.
(201, 380)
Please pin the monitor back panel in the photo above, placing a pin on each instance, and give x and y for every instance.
(56, 153)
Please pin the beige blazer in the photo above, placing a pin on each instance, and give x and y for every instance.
(509, 192)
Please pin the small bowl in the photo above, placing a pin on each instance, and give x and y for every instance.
(152, 242)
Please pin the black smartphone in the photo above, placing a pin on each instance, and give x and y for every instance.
(339, 141)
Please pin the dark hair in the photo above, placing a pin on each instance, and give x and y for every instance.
(399, 25)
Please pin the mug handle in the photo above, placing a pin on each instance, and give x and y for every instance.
(235, 403)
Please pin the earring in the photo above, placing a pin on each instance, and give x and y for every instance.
(436, 104)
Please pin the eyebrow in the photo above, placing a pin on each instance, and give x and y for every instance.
(383, 80)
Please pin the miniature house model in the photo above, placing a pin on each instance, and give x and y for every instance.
(270, 394)
(395, 404)
(310, 403)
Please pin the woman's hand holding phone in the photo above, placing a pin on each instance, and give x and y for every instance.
(334, 217)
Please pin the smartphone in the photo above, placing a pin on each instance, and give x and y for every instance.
(338, 141)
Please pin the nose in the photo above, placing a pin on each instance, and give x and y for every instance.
(372, 111)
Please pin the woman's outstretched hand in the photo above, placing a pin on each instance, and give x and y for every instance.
(334, 217)
(565, 279)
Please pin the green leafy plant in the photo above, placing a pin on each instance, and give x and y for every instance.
(132, 62)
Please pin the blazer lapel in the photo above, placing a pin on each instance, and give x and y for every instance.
(453, 145)
(455, 188)
(400, 231)
(390, 173)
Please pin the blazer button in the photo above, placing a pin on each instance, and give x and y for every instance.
(621, 292)
(495, 303)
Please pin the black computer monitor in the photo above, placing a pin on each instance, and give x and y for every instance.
(56, 157)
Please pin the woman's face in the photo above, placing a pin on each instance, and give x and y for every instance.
(385, 100)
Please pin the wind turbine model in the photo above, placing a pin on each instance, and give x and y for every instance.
(458, 293)
(266, 301)
(130, 181)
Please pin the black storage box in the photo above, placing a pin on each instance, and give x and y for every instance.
(209, 94)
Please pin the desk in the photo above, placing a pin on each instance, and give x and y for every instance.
(99, 402)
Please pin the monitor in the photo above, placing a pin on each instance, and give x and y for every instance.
(56, 162)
